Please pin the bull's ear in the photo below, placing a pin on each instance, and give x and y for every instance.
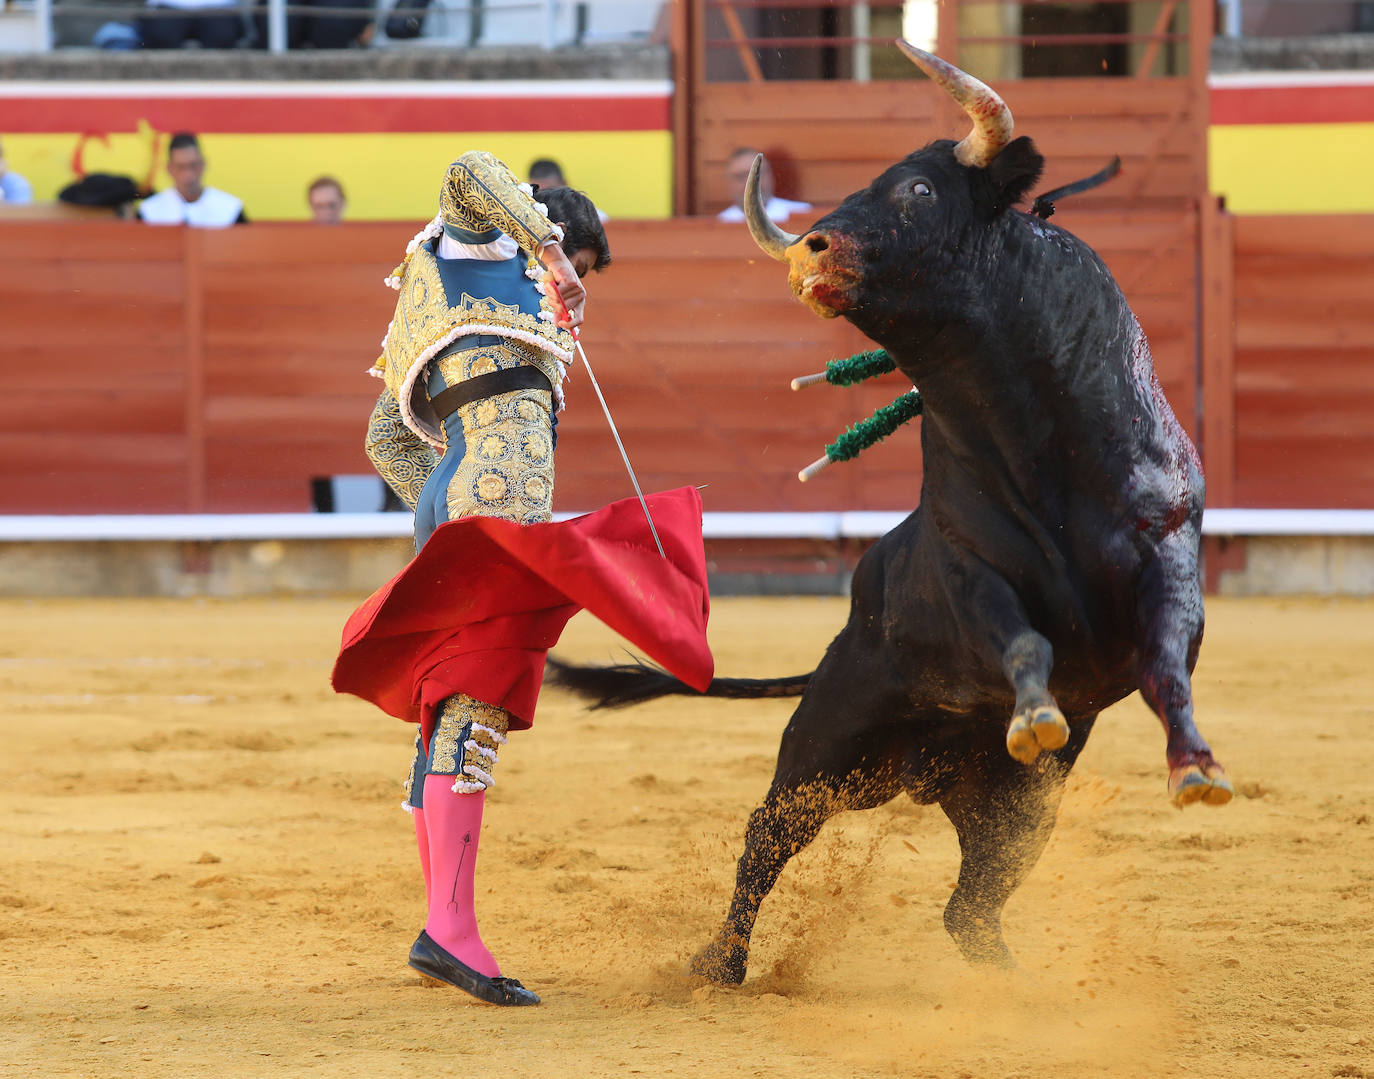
(1014, 172)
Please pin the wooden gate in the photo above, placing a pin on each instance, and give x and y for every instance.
(829, 136)
(744, 81)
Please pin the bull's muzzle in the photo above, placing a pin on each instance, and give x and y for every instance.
(819, 273)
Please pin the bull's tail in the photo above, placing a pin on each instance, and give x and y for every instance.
(630, 683)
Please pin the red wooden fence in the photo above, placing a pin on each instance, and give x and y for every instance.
(1303, 396)
(165, 370)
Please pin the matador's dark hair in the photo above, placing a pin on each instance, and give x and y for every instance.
(581, 223)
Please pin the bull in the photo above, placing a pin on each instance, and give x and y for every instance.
(1051, 567)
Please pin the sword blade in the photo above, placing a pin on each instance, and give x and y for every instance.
(619, 444)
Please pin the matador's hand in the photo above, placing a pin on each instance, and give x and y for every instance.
(563, 277)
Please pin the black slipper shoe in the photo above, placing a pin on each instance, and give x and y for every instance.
(428, 958)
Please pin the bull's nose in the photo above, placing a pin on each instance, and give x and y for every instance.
(805, 253)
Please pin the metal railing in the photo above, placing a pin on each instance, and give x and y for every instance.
(770, 38)
(545, 23)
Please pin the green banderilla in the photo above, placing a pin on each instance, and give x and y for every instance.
(865, 433)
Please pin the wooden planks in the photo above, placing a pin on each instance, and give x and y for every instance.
(1304, 361)
(92, 374)
(224, 370)
(293, 316)
(830, 138)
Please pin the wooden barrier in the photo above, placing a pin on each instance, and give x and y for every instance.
(1303, 391)
(831, 134)
(829, 143)
(152, 370)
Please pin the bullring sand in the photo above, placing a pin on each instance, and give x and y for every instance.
(206, 873)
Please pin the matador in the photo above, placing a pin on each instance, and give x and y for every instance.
(464, 432)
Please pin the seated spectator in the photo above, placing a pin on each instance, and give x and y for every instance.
(188, 201)
(737, 167)
(172, 23)
(14, 189)
(326, 199)
(306, 31)
(545, 174)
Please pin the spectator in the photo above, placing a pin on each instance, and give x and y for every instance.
(327, 202)
(546, 173)
(213, 23)
(188, 201)
(308, 31)
(14, 189)
(737, 167)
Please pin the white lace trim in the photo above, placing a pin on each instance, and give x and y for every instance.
(431, 229)
(472, 743)
(496, 736)
(476, 780)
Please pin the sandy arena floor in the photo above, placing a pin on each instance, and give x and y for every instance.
(205, 872)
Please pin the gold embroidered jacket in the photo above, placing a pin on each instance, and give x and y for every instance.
(479, 193)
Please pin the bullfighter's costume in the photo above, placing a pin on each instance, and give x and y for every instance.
(474, 364)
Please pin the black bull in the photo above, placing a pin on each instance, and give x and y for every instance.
(1051, 568)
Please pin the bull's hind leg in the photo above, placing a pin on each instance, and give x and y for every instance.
(1171, 620)
(837, 753)
(1003, 813)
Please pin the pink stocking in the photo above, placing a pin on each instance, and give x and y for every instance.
(422, 841)
(454, 823)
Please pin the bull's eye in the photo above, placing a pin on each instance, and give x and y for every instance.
(920, 187)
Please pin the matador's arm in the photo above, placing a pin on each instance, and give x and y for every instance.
(398, 454)
(481, 193)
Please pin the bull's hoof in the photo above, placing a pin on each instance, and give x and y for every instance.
(1192, 783)
(1036, 730)
(979, 938)
(719, 964)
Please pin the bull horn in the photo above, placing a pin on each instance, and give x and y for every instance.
(772, 240)
(992, 122)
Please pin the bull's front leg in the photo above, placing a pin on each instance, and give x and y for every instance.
(842, 750)
(1171, 617)
(1036, 722)
(1026, 659)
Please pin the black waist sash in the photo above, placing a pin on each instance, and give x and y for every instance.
(523, 377)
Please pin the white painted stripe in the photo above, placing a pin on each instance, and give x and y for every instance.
(1260, 80)
(1257, 522)
(822, 526)
(564, 88)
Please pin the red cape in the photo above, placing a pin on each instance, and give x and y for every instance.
(479, 607)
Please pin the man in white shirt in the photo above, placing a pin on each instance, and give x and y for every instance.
(188, 201)
(737, 167)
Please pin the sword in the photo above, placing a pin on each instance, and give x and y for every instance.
(606, 410)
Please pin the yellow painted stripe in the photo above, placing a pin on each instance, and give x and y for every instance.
(387, 177)
(1293, 168)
